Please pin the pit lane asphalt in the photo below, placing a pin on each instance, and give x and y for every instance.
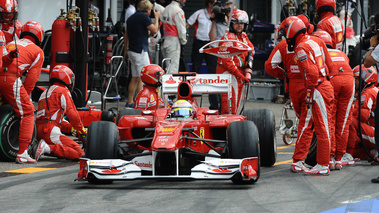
(50, 187)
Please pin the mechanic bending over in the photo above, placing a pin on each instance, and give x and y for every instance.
(342, 79)
(237, 65)
(29, 58)
(295, 85)
(54, 103)
(314, 64)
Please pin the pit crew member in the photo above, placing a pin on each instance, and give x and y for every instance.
(236, 65)
(54, 103)
(175, 32)
(313, 60)
(329, 22)
(342, 79)
(148, 98)
(369, 94)
(295, 85)
(8, 20)
(16, 93)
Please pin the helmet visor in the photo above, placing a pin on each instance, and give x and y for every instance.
(182, 112)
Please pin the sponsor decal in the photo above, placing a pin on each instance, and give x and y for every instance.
(112, 170)
(170, 80)
(152, 98)
(340, 37)
(202, 132)
(333, 53)
(320, 62)
(167, 129)
(143, 100)
(142, 164)
(302, 56)
(221, 170)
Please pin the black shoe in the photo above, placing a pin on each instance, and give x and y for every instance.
(375, 180)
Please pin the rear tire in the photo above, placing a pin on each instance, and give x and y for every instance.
(242, 142)
(102, 140)
(9, 131)
(264, 119)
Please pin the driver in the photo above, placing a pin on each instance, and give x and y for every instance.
(182, 108)
(148, 98)
(236, 65)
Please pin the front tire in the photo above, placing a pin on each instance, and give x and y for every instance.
(102, 140)
(264, 119)
(243, 142)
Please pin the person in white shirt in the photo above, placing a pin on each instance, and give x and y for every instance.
(130, 10)
(201, 20)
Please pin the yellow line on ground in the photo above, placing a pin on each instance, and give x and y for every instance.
(285, 153)
(284, 162)
(285, 147)
(30, 170)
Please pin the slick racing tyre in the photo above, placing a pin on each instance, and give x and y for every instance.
(242, 142)
(9, 129)
(264, 119)
(102, 140)
(128, 111)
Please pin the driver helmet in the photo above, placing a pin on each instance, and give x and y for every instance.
(8, 11)
(152, 75)
(182, 108)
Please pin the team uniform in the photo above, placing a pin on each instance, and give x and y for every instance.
(368, 105)
(235, 66)
(174, 29)
(148, 98)
(333, 25)
(313, 60)
(53, 104)
(10, 30)
(342, 79)
(297, 92)
(15, 92)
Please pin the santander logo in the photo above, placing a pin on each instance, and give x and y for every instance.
(148, 165)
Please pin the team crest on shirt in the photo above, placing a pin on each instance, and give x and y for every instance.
(152, 98)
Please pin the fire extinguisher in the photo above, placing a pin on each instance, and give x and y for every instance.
(108, 53)
(61, 35)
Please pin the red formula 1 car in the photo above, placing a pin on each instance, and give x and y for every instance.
(160, 144)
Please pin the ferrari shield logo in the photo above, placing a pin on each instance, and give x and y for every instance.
(202, 132)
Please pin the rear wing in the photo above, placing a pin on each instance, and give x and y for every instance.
(200, 84)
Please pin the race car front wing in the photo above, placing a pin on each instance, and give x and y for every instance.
(216, 169)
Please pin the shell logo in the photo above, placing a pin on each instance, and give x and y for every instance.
(320, 62)
(11, 47)
(333, 54)
(295, 59)
(340, 37)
